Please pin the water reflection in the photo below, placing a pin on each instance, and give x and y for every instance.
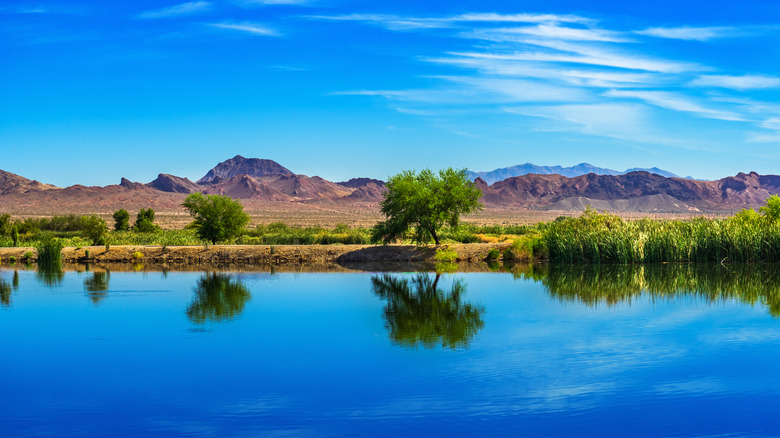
(418, 312)
(7, 289)
(218, 297)
(610, 285)
(50, 275)
(96, 286)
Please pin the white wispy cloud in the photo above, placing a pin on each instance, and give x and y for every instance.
(402, 23)
(250, 3)
(553, 31)
(744, 82)
(177, 10)
(690, 33)
(248, 27)
(519, 18)
(575, 71)
(677, 102)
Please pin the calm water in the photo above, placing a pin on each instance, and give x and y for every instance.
(681, 351)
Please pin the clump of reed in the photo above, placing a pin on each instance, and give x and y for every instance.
(594, 237)
(49, 252)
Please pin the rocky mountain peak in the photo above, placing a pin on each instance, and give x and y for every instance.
(239, 165)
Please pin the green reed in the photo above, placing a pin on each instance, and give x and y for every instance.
(603, 238)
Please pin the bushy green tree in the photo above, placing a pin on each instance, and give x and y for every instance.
(144, 221)
(217, 218)
(95, 229)
(425, 201)
(771, 209)
(5, 224)
(121, 220)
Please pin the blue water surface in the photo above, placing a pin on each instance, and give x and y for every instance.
(242, 354)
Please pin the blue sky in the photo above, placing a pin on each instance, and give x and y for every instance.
(95, 90)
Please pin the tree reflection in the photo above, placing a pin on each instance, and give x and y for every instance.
(218, 297)
(96, 286)
(417, 312)
(7, 289)
(610, 285)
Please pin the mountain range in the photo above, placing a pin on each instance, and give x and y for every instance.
(577, 170)
(260, 183)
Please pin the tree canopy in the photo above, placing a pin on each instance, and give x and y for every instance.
(426, 202)
(217, 218)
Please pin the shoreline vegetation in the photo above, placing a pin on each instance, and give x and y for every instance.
(591, 238)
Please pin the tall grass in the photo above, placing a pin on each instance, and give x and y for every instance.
(605, 238)
(49, 252)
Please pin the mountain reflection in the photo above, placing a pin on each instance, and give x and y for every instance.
(610, 285)
(418, 312)
(218, 297)
(96, 286)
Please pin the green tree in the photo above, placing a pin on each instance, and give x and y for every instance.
(144, 221)
(427, 202)
(771, 209)
(5, 224)
(95, 229)
(217, 218)
(121, 220)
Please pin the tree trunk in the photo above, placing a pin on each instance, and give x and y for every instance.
(435, 237)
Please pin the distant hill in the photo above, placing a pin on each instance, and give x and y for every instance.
(13, 183)
(239, 165)
(269, 182)
(580, 169)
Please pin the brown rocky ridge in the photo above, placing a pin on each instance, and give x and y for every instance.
(268, 184)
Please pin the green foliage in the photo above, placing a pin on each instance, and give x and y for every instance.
(15, 236)
(605, 238)
(12, 259)
(217, 218)
(445, 255)
(5, 224)
(423, 203)
(144, 221)
(281, 234)
(49, 252)
(121, 220)
(27, 255)
(771, 210)
(138, 255)
(86, 253)
(493, 254)
(94, 229)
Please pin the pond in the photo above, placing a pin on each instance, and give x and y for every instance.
(677, 351)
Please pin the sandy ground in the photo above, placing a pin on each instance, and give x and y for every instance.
(257, 254)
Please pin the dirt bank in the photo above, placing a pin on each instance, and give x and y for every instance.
(258, 254)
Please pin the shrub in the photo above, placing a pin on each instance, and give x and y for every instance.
(94, 229)
(138, 255)
(446, 255)
(493, 254)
